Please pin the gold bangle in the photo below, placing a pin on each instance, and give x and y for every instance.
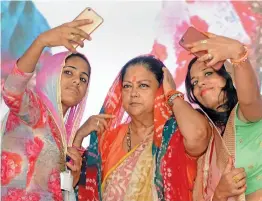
(236, 62)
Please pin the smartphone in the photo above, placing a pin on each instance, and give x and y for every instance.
(89, 13)
(193, 35)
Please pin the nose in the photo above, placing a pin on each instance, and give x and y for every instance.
(201, 83)
(134, 93)
(76, 81)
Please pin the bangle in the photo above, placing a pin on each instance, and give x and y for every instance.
(243, 59)
(81, 149)
(172, 95)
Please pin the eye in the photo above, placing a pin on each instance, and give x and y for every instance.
(143, 86)
(194, 83)
(125, 86)
(68, 72)
(208, 73)
(83, 80)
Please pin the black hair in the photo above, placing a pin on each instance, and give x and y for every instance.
(82, 57)
(150, 62)
(219, 118)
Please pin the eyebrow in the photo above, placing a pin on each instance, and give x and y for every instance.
(76, 69)
(202, 70)
(137, 81)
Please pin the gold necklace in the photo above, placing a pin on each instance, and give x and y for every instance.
(128, 139)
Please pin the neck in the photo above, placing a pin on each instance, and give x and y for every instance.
(139, 124)
(64, 108)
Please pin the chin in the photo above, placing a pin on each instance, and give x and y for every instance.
(70, 102)
(135, 112)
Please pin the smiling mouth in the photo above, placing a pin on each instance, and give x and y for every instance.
(203, 92)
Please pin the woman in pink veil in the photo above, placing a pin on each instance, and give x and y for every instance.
(43, 119)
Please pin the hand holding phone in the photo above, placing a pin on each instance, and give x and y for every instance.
(192, 35)
(90, 14)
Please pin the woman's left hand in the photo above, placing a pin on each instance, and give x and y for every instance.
(168, 81)
(218, 48)
(75, 165)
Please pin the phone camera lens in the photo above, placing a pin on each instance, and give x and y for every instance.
(89, 9)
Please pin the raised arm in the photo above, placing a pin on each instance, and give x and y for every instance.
(21, 101)
(193, 125)
(222, 48)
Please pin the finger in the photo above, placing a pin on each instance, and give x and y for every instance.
(69, 46)
(203, 58)
(72, 156)
(74, 151)
(241, 183)
(70, 166)
(197, 43)
(101, 128)
(95, 124)
(165, 76)
(237, 171)
(106, 116)
(241, 175)
(212, 62)
(78, 23)
(169, 74)
(80, 33)
(103, 122)
(229, 166)
(76, 158)
(77, 39)
(209, 35)
(98, 129)
(239, 191)
(165, 71)
(199, 48)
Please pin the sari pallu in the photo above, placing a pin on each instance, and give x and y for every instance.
(170, 171)
(34, 134)
(212, 164)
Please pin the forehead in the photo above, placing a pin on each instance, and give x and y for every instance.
(197, 68)
(79, 63)
(138, 72)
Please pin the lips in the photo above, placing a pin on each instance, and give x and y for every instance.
(204, 91)
(134, 104)
(74, 90)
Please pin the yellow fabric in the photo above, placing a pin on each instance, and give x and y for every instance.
(131, 179)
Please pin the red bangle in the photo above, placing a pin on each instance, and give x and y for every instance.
(81, 149)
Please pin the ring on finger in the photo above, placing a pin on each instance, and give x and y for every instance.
(97, 123)
(210, 56)
(203, 41)
(236, 179)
